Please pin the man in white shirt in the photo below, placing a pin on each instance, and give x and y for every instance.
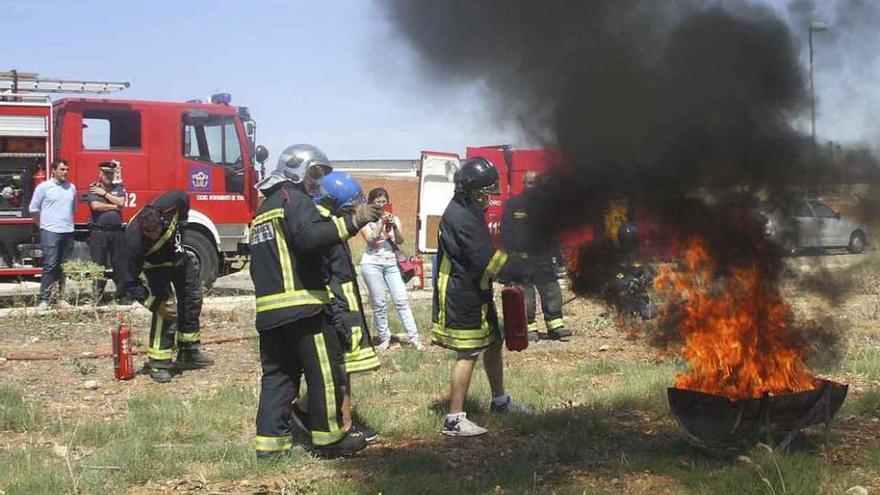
(52, 206)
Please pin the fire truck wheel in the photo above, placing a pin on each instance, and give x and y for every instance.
(203, 255)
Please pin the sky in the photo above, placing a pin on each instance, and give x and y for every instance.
(331, 73)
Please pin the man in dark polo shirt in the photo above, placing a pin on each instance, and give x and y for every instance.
(106, 199)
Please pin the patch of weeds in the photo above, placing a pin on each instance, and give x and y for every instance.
(399, 403)
(573, 490)
(15, 413)
(866, 403)
(865, 362)
(579, 431)
(770, 473)
(598, 323)
(83, 368)
(406, 360)
(600, 367)
(641, 386)
(162, 435)
(32, 471)
(81, 273)
(421, 311)
(873, 457)
(56, 331)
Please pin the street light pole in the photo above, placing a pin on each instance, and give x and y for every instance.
(815, 26)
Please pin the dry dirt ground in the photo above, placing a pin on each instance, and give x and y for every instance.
(56, 386)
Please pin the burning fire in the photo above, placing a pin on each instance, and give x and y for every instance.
(735, 331)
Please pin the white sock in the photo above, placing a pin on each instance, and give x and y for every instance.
(452, 418)
(501, 400)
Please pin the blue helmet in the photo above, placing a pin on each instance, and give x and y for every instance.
(339, 190)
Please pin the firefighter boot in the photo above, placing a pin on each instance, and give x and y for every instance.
(160, 375)
(353, 443)
(192, 358)
(559, 333)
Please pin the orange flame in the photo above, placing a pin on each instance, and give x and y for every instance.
(736, 335)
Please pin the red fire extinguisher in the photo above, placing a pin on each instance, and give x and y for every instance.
(419, 265)
(38, 177)
(123, 369)
(516, 330)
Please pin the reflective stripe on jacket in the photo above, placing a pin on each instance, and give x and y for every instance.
(288, 238)
(464, 314)
(138, 254)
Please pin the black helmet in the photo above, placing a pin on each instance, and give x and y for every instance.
(628, 236)
(475, 174)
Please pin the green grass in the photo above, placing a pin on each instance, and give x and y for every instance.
(15, 413)
(601, 419)
(161, 438)
(769, 474)
(865, 362)
(600, 367)
(32, 470)
(866, 403)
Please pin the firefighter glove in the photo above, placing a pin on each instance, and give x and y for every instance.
(167, 310)
(367, 213)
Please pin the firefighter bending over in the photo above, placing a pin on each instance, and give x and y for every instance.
(151, 243)
(537, 255)
(338, 195)
(464, 315)
(288, 242)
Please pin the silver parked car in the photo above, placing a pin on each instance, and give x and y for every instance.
(810, 223)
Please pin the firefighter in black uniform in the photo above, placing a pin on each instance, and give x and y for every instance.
(338, 195)
(106, 199)
(464, 316)
(151, 243)
(538, 255)
(288, 241)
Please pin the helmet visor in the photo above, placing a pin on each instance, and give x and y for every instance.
(492, 188)
(316, 172)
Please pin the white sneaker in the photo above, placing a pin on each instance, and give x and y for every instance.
(462, 427)
(44, 306)
(383, 346)
(511, 407)
(418, 345)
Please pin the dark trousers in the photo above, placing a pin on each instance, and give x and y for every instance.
(57, 249)
(311, 347)
(102, 249)
(183, 283)
(543, 278)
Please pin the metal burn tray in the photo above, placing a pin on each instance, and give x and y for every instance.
(715, 421)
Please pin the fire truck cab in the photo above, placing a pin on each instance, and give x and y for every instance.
(204, 148)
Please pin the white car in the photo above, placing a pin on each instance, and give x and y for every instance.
(812, 224)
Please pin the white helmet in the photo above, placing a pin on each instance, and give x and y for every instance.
(293, 165)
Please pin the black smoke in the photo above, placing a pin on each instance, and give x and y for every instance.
(647, 100)
(692, 111)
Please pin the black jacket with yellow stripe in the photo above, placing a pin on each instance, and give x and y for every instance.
(288, 239)
(139, 253)
(464, 314)
(341, 278)
(347, 308)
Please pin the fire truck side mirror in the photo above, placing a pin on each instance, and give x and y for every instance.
(261, 154)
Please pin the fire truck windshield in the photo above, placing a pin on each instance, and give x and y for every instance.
(214, 140)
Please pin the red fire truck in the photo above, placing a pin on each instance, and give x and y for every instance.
(436, 188)
(205, 148)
